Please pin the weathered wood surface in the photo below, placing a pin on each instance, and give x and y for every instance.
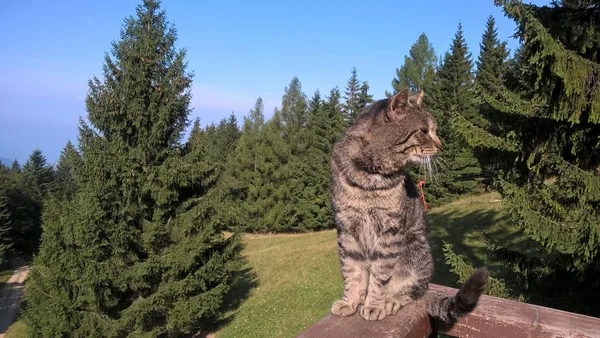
(497, 317)
(493, 317)
(410, 322)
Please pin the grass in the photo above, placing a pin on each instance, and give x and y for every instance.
(17, 330)
(297, 277)
(290, 281)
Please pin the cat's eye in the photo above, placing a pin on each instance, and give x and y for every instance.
(425, 130)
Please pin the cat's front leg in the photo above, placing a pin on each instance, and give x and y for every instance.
(355, 276)
(381, 272)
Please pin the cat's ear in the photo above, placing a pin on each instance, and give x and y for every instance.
(397, 104)
(416, 99)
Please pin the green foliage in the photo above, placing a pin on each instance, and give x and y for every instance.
(278, 177)
(364, 98)
(545, 131)
(496, 287)
(459, 171)
(5, 224)
(15, 167)
(334, 110)
(491, 64)
(24, 192)
(354, 98)
(39, 175)
(222, 138)
(418, 70)
(136, 251)
(65, 185)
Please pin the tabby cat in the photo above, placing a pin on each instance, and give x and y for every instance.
(385, 257)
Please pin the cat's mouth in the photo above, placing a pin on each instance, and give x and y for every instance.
(423, 153)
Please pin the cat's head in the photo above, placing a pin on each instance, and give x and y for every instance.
(403, 132)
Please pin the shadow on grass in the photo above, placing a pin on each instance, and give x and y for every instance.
(461, 231)
(245, 280)
(472, 234)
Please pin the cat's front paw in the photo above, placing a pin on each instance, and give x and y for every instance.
(393, 304)
(372, 312)
(343, 308)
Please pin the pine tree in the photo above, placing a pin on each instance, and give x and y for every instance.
(243, 179)
(490, 74)
(136, 251)
(39, 175)
(65, 185)
(309, 207)
(418, 70)
(461, 172)
(364, 98)
(351, 108)
(333, 108)
(5, 221)
(491, 64)
(294, 114)
(15, 167)
(547, 145)
(222, 138)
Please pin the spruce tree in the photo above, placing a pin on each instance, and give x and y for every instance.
(38, 174)
(65, 185)
(222, 138)
(309, 207)
(491, 63)
(418, 70)
(242, 181)
(294, 107)
(5, 221)
(15, 167)
(490, 74)
(547, 145)
(460, 172)
(364, 98)
(333, 108)
(136, 251)
(352, 95)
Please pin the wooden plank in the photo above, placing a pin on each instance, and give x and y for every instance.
(411, 322)
(497, 317)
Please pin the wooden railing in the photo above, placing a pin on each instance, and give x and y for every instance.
(493, 317)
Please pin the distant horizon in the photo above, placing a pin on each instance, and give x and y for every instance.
(237, 53)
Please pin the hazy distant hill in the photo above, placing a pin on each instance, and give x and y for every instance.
(6, 161)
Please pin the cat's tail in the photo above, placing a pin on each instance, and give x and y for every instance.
(447, 309)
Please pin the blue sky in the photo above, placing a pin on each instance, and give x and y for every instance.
(238, 50)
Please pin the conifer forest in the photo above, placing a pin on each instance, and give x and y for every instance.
(138, 229)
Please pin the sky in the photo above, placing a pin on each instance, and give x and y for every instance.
(238, 51)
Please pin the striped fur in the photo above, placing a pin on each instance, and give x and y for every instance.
(384, 254)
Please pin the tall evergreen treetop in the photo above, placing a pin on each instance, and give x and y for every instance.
(294, 107)
(333, 108)
(456, 74)
(137, 252)
(39, 174)
(418, 70)
(364, 97)
(66, 185)
(352, 98)
(491, 63)
(15, 167)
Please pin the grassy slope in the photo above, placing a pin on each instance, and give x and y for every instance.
(298, 279)
(298, 275)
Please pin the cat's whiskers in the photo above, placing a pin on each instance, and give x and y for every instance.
(429, 166)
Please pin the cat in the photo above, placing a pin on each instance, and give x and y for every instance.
(385, 257)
